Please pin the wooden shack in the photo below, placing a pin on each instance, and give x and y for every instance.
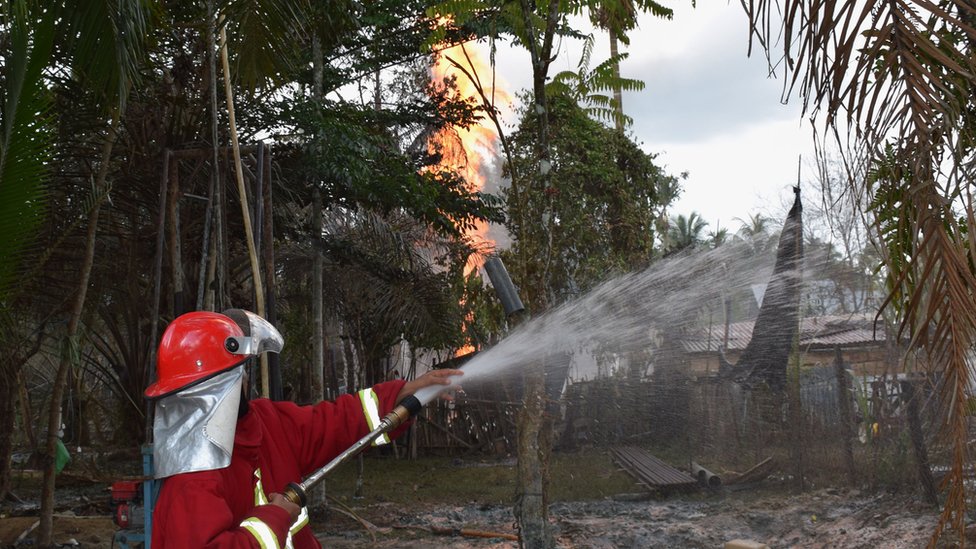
(862, 340)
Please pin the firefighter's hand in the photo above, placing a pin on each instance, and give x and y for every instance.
(286, 504)
(433, 377)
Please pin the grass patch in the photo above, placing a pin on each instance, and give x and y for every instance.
(579, 476)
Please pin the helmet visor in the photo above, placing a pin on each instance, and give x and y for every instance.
(260, 337)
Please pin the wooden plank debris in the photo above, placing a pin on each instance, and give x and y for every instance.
(651, 471)
(756, 473)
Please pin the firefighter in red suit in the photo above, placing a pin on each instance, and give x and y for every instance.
(224, 457)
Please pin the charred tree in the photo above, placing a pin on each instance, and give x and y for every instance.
(765, 358)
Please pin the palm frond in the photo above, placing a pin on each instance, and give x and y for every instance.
(106, 40)
(586, 56)
(266, 37)
(604, 76)
(900, 76)
(26, 141)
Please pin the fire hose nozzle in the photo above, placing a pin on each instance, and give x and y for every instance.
(296, 494)
(408, 407)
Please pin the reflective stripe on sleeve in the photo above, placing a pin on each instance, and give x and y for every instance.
(261, 532)
(259, 497)
(371, 409)
(300, 523)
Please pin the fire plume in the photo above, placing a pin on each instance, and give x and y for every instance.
(468, 151)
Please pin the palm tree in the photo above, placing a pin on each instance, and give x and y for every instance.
(619, 17)
(25, 123)
(756, 225)
(25, 150)
(102, 67)
(586, 85)
(718, 237)
(757, 231)
(107, 64)
(686, 232)
(47, 38)
(894, 83)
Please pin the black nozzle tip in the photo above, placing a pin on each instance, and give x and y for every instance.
(412, 404)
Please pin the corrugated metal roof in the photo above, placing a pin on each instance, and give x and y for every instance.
(819, 331)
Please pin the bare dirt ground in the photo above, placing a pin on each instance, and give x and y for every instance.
(765, 513)
(818, 519)
(821, 519)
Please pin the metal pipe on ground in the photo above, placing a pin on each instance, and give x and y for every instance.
(705, 477)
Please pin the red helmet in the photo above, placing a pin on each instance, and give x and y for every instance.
(201, 344)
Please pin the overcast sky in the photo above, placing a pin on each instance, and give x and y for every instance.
(707, 109)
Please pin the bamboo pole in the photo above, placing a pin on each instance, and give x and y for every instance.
(239, 172)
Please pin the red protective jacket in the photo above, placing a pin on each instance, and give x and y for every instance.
(275, 443)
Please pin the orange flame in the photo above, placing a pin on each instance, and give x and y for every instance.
(468, 150)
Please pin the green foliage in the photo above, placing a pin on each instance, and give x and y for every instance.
(603, 200)
(27, 137)
(355, 154)
(384, 34)
(586, 85)
(894, 213)
(718, 237)
(581, 476)
(620, 16)
(686, 232)
(467, 19)
(267, 36)
(388, 291)
(484, 318)
(106, 43)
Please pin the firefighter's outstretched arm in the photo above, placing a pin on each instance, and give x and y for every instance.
(433, 377)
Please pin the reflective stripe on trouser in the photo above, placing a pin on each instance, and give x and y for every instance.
(371, 409)
(261, 531)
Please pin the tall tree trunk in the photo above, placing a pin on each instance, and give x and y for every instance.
(173, 234)
(8, 393)
(350, 361)
(795, 426)
(535, 434)
(214, 282)
(618, 94)
(268, 259)
(910, 396)
(846, 416)
(318, 495)
(534, 450)
(318, 320)
(70, 348)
